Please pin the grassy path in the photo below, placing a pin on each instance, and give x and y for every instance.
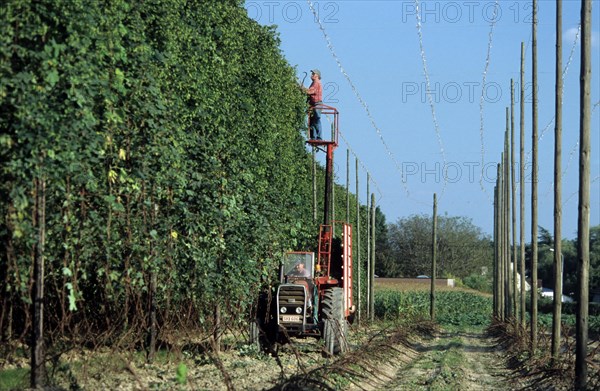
(454, 360)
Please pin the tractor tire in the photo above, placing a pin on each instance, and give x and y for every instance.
(262, 336)
(335, 326)
(261, 331)
(254, 337)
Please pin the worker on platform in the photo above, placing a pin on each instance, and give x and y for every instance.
(315, 98)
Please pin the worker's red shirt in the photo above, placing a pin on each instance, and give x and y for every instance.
(315, 92)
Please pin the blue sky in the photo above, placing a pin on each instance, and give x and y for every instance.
(376, 65)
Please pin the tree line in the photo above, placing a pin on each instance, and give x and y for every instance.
(404, 249)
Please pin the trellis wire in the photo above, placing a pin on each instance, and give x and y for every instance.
(481, 99)
(357, 94)
(428, 92)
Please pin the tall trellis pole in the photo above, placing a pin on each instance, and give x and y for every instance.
(38, 351)
(372, 266)
(507, 260)
(534, 179)
(513, 185)
(496, 255)
(358, 258)
(368, 250)
(522, 184)
(583, 220)
(557, 309)
(433, 259)
(501, 255)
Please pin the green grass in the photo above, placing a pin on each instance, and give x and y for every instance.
(14, 379)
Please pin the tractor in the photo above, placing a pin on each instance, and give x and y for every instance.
(313, 297)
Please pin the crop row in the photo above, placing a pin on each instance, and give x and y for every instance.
(461, 308)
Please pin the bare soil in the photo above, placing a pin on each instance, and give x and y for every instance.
(380, 359)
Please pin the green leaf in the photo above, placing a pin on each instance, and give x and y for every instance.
(182, 371)
(52, 77)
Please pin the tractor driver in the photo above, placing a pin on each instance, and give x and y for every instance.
(299, 271)
(315, 98)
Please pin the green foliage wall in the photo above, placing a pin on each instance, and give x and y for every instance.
(168, 133)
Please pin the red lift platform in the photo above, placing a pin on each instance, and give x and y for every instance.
(328, 144)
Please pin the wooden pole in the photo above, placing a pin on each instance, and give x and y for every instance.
(583, 220)
(501, 254)
(372, 268)
(515, 312)
(522, 183)
(433, 260)
(368, 250)
(496, 253)
(358, 258)
(153, 327)
(153, 304)
(38, 367)
(507, 273)
(557, 309)
(534, 179)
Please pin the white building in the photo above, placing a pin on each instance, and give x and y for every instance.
(527, 285)
(547, 292)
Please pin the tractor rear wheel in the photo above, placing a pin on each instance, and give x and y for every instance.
(335, 326)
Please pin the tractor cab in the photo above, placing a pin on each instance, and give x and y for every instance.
(295, 294)
(297, 265)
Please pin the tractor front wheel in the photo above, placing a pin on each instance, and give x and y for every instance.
(335, 326)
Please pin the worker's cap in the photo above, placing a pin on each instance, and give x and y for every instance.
(316, 72)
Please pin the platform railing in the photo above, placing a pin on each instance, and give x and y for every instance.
(327, 112)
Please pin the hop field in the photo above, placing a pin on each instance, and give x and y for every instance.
(397, 300)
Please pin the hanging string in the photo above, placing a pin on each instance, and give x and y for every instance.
(362, 165)
(482, 97)
(358, 96)
(563, 91)
(571, 155)
(356, 156)
(577, 192)
(428, 93)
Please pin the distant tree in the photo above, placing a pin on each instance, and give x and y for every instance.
(382, 245)
(569, 252)
(410, 247)
(462, 247)
(545, 238)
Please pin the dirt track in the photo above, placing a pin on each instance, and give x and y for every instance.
(389, 359)
(454, 360)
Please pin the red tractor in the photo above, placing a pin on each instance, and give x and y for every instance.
(313, 299)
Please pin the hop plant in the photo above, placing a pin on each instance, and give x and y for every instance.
(182, 373)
